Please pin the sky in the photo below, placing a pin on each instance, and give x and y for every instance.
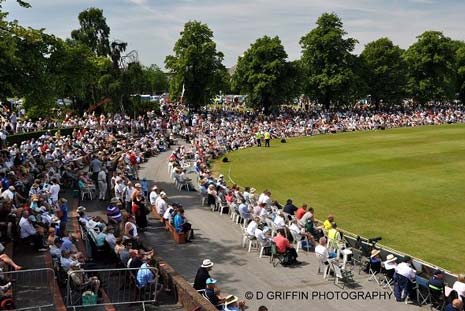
(151, 27)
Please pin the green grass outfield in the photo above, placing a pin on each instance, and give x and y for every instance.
(406, 185)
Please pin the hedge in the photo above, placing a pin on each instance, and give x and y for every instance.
(18, 138)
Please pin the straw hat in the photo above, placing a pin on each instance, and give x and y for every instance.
(390, 258)
(375, 252)
(207, 263)
(231, 299)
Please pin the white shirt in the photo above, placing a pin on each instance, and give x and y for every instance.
(102, 176)
(26, 228)
(167, 214)
(404, 269)
(54, 192)
(459, 287)
(279, 221)
(251, 228)
(160, 205)
(153, 197)
(322, 251)
(8, 195)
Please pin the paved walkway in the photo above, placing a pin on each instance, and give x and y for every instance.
(238, 271)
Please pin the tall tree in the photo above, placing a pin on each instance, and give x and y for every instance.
(431, 68)
(327, 62)
(157, 80)
(264, 74)
(385, 71)
(94, 32)
(459, 48)
(194, 65)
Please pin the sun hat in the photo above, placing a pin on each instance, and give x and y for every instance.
(253, 190)
(114, 201)
(375, 252)
(137, 185)
(210, 281)
(390, 258)
(207, 263)
(12, 188)
(231, 299)
(81, 209)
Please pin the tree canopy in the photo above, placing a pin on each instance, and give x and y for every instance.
(385, 73)
(327, 62)
(195, 65)
(264, 74)
(431, 68)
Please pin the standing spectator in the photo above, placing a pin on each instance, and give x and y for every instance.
(95, 166)
(54, 191)
(102, 184)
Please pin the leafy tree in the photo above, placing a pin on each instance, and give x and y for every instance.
(431, 68)
(327, 62)
(194, 65)
(459, 47)
(264, 74)
(385, 71)
(94, 32)
(157, 80)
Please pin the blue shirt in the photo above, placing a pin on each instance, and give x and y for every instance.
(144, 276)
(64, 211)
(178, 222)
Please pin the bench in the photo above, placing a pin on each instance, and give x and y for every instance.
(179, 237)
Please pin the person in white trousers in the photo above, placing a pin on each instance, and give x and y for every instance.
(102, 184)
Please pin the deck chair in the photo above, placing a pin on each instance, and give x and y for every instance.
(359, 259)
(275, 255)
(374, 271)
(345, 276)
(388, 278)
(437, 298)
(422, 290)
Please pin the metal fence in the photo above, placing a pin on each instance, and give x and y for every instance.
(31, 289)
(116, 287)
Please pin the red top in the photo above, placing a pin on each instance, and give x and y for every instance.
(300, 213)
(282, 244)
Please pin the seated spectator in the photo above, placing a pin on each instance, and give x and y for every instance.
(212, 293)
(389, 266)
(181, 224)
(66, 260)
(301, 211)
(252, 226)
(404, 280)
(5, 260)
(232, 303)
(459, 285)
(55, 249)
(244, 211)
(289, 207)
(81, 280)
(82, 217)
(455, 305)
(436, 287)
(263, 235)
(110, 237)
(322, 251)
(28, 232)
(279, 220)
(284, 247)
(203, 274)
(375, 262)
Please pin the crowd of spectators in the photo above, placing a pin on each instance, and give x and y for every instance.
(101, 159)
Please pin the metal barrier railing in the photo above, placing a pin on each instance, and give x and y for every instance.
(31, 289)
(100, 287)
